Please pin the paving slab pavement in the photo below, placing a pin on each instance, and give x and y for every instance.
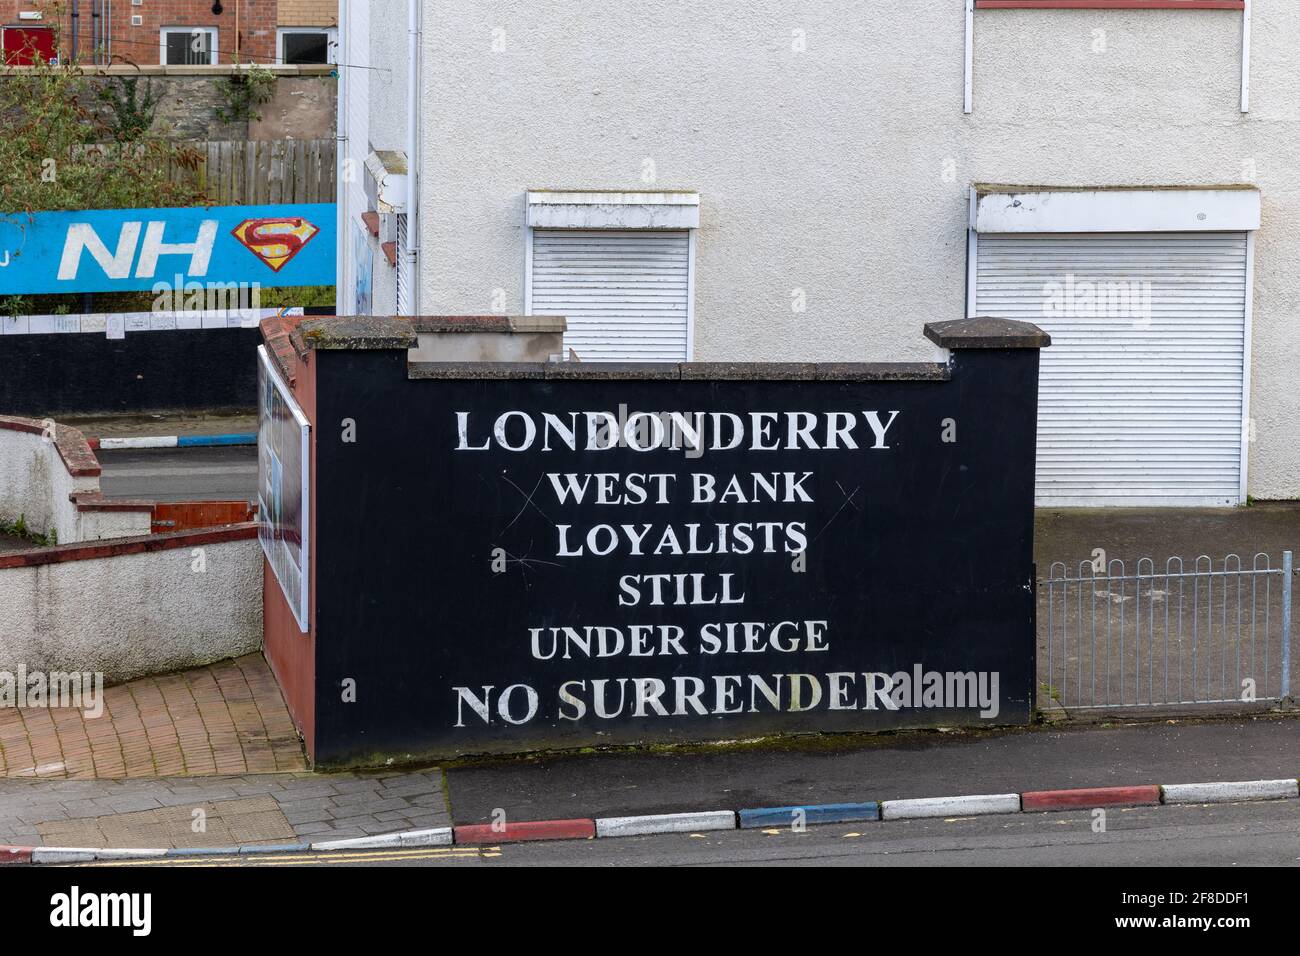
(255, 809)
(228, 717)
(895, 766)
(214, 811)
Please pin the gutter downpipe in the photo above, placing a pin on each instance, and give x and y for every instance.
(341, 157)
(413, 83)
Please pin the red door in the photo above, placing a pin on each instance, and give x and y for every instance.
(23, 44)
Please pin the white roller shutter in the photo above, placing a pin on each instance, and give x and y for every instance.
(1131, 411)
(626, 293)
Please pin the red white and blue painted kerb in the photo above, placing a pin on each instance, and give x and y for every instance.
(703, 821)
(171, 441)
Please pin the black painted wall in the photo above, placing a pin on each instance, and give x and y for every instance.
(921, 554)
(57, 374)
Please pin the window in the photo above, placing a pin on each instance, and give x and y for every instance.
(307, 45)
(619, 267)
(189, 46)
(1145, 396)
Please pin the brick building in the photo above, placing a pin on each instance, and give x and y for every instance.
(173, 32)
(307, 31)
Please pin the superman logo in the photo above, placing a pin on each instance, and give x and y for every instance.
(276, 239)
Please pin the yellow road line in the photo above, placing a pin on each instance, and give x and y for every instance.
(285, 859)
(271, 861)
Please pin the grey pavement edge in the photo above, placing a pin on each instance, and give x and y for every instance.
(901, 766)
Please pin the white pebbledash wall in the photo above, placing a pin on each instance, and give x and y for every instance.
(841, 171)
(372, 113)
(128, 615)
(37, 484)
(126, 607)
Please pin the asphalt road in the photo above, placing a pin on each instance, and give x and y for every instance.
(1242, 834)
(181, 474)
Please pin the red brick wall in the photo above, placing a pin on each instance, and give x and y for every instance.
(9, 13)
(140, 44)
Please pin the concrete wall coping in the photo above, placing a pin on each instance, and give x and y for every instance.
(685, 371)
(394, 331)
(399, 332)
(363, 333)
(91, 551)
(987, 333)
(489, 323)
(280, 335)
(78, 457)
(95, 501)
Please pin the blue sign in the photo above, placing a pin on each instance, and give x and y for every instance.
(131, 250)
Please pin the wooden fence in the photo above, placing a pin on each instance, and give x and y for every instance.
(249, 172)
(253, 173)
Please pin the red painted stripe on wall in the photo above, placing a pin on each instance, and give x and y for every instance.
(112, 547)
(171, 516)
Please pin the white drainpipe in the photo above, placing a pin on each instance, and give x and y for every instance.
(413, 152)
(341, 243)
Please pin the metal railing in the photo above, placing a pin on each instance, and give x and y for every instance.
(1211, 635)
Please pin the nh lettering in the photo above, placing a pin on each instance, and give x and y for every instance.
(116, 264)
